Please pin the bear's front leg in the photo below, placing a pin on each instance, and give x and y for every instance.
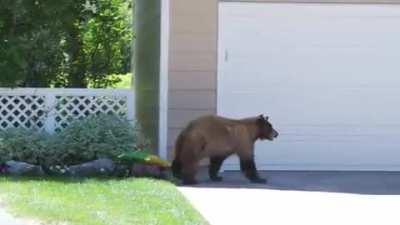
(248, 167)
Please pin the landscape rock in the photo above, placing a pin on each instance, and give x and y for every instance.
(143, 170)
(121, 170)
(94, 168)
(21, 168)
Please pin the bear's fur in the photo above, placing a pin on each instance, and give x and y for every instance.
(217, 138)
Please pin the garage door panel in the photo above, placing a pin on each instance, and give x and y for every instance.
(326, 74)
(353, 106)
(355, 67)
(274, 12)
(369, 28)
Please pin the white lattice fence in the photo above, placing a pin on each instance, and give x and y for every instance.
(54, 109)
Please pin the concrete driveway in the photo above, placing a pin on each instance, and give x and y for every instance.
(300, 198)
(7, 219)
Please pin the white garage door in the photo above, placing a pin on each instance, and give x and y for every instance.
(328, 75)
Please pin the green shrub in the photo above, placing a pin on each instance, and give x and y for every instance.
(96, 137)
(24, 145)
(83, 140)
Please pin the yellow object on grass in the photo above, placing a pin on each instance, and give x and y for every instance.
(143, 157)
(155, 160)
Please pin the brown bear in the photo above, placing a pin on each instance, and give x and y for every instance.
(217, 138)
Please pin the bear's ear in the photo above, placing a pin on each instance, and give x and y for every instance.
(261, 119)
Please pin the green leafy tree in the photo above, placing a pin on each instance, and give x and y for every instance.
(64, 43)
(99, 42)
(29, 52)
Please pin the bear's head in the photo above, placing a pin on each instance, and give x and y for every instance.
(265, 129)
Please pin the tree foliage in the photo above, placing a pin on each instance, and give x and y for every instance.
(64, 43)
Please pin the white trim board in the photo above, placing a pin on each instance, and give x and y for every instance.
(164, 56)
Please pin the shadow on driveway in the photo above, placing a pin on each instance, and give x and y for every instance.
(371, 183)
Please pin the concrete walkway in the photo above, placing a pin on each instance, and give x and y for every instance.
(300, 198)
(7, 219)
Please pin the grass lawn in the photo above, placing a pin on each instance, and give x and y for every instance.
(126, 81)
(98, 201)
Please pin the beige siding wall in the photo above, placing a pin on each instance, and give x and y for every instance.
(192, 63)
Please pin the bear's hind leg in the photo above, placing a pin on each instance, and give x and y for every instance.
(189, 171)
(215, 166)
(176, 168)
